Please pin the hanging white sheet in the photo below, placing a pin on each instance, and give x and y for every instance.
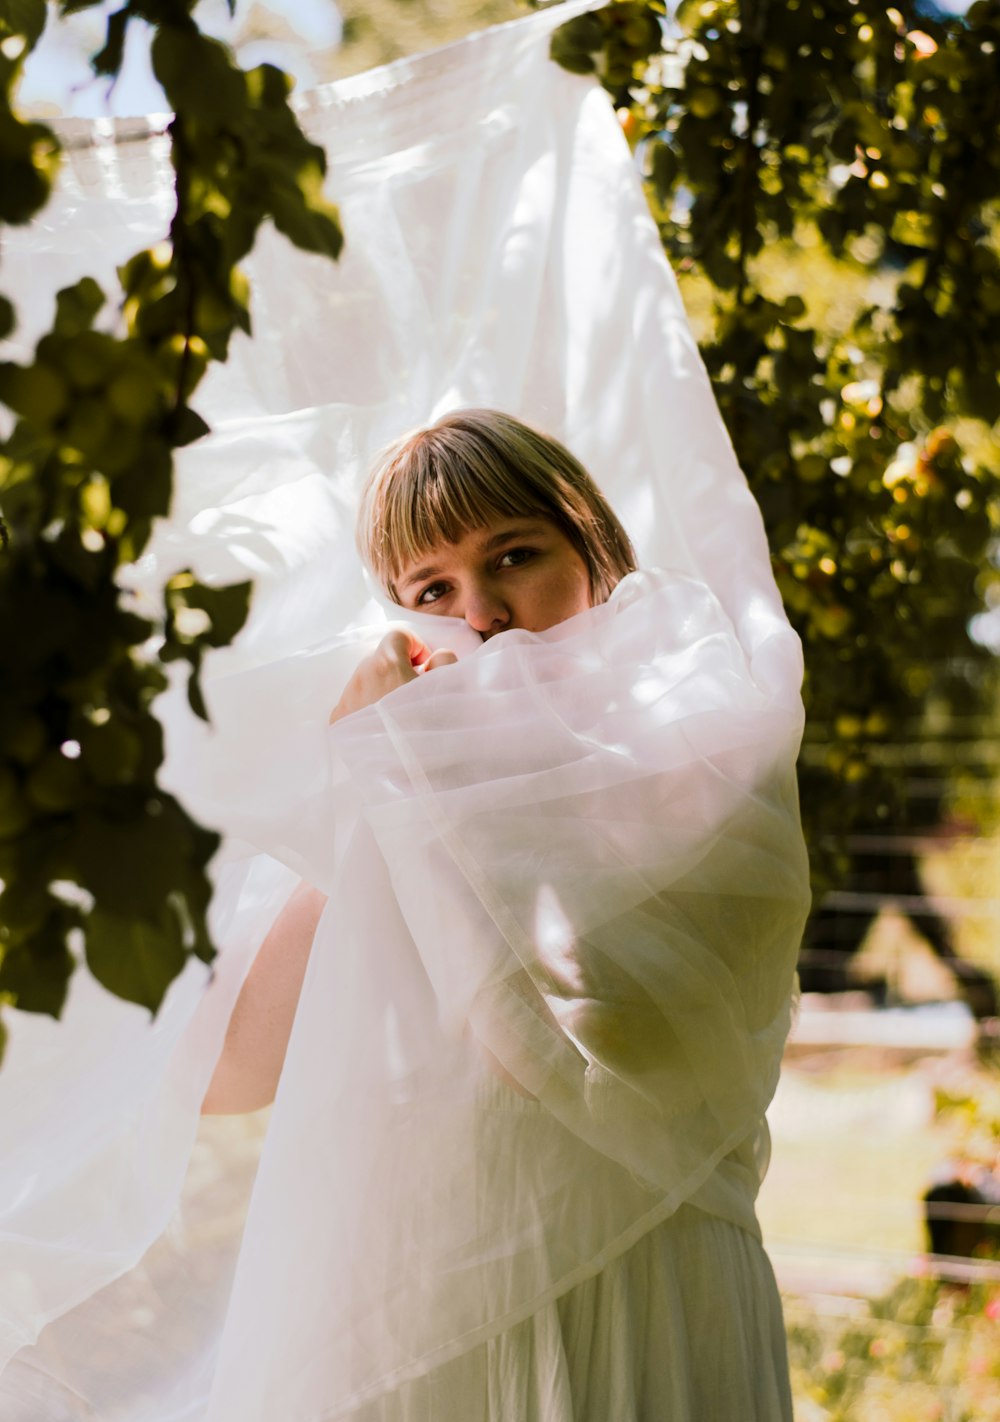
(578, 849)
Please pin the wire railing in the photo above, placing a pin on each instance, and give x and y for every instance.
(893, 1263)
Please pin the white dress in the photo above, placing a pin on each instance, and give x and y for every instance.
(683, 1326)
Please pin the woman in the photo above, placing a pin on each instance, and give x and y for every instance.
(528, 541)
(592, 895)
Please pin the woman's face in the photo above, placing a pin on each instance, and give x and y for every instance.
(513, 572)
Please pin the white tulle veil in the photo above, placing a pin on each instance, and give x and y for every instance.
(578, 850)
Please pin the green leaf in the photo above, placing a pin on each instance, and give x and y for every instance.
(76, 307)
(644, 32)
(37, 974)
(574, 45)
(268, 87)
(37, 392)
(28, 161)
(311, 226)
(111, 753)
(7, 318)
(109, 59)
(187, 426)
(25, 907)
(199, 77)
(23, 17)
(196, 697)
(228, 608)
(135, 959)
(141, 475)
(664, 168)
(130, 865)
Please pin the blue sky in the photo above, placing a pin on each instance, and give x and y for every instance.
(57, 76)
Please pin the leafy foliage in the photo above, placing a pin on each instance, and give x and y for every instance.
(924, 1352)
(969, 1102)
(774, 137)
(93, 854)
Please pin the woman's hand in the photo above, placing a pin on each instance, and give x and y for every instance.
(399, 657)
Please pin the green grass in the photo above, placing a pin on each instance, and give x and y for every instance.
(852, 1154)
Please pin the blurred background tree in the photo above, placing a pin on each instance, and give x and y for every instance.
(825, 175)
(377, 31)
(95, 859)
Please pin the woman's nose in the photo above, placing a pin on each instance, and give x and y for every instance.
(485, 612)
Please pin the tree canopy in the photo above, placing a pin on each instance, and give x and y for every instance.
(92, 851)
(826, 179)
(825, 175)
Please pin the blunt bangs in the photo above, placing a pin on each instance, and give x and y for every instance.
(470, 468)
(441, 490)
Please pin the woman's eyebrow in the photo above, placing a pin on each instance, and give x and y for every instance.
(527, 530)
(418, 576)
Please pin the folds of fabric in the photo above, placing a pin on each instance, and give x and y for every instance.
(574, 855)
(569, 865)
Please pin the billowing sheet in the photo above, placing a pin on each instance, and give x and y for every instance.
(572, 855)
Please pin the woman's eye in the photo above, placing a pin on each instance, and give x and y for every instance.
(514, 557)
(431, 594)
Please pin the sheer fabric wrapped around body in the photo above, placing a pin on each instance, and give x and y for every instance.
(574, 854)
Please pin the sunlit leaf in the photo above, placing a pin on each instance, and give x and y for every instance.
(23, 17)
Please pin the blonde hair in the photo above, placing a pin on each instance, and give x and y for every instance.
(471, 466)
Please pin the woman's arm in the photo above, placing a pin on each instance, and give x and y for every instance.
(246, 1076)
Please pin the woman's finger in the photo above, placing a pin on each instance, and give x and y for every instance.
(403, 645)
(396, 660)
(441, 658)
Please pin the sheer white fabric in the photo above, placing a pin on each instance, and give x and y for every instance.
(575, 854)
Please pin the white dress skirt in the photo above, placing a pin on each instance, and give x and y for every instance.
(684, 1326)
